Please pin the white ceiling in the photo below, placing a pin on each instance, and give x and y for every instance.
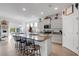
(14, 13)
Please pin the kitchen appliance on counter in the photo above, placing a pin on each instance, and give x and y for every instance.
(47, 29)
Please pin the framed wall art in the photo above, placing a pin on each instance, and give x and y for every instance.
(69, 10)
(64, 12)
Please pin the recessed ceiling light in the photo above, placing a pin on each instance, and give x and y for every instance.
(23, 9)
(55, 8)
(42, 13)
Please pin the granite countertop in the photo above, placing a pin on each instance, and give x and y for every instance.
(38, 37)
(41, 37)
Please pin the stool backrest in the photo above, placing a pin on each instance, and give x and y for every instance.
(23, 39)
(30, 41)
(16, 38)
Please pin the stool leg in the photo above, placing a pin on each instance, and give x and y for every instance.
(23, 49)
(39, 52)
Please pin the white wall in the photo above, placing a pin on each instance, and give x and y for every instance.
(56, 23)
(70, 31)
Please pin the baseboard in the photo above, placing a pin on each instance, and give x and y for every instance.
(70, 50)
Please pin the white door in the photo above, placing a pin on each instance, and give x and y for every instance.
(75, 31)
(67, 33)
(75, 36)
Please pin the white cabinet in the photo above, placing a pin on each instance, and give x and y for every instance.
(57, 38)
(42, 23)
(70, 37)
(56, 23)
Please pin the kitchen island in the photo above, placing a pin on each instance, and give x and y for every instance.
(44, 40)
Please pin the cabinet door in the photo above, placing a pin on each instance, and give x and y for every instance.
(75, 36)
(75, 31)
(68, 32)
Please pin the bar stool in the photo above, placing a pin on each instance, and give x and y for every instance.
(22, 44)
(28, 45)
(32, 47)
(17, 40)
(36, 49)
